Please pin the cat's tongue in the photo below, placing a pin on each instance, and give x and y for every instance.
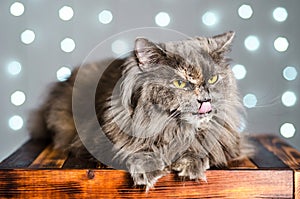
(205, 107)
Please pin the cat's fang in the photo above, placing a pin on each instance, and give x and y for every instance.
(205, 107)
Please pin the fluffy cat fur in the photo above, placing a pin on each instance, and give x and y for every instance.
(167, 106)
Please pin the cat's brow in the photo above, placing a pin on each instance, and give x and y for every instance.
(183, 74)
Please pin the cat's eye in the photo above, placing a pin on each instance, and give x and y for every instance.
(213, 79)
(179, 84)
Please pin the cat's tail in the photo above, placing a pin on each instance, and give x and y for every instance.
(36, 124)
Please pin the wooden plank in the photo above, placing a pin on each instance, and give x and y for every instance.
(25, 155)
(289, 155)
(297, 184)
(49, 158)
(80, 163)
(80, 183)
(263, 158)
(245, 163)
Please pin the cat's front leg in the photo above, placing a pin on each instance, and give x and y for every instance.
(192, 166)
(146, 168)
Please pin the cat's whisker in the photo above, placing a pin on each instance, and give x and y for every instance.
(175, 114)
(272, 102)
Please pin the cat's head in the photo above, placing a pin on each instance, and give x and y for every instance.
(189, 79)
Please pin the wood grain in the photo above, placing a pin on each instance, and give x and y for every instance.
(245, 163)
(297, 184)
(263, 158)
(50, 158)
(273, 172)
(25, 155)
(71, 183)
(289, 155)
(74, 162)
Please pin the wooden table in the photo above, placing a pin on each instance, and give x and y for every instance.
(37, 171)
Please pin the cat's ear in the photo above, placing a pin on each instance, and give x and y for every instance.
(218, 45)
(221, 43)
(147, 52)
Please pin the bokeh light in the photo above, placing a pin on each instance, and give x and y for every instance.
(66, 13)
(15, 122)
(18, 98)
(67, 45)
(250, 100)
(289, 98)
(120, 47)
(63, 73)
(281, 44)
(290, 73)
(252, 43)
(14, 68)
(287, 130)
(17, 9)
(105, 17)
(280, 14)
(239, 71)
(162, 19)
(27, 37)
(245, 11)
(209, 18)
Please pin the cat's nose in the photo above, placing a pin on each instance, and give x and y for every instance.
(200, 101)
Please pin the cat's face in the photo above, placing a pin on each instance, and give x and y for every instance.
(190, 79)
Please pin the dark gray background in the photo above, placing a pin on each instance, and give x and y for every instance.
(41, 59)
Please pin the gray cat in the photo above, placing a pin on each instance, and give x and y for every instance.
(167, 106)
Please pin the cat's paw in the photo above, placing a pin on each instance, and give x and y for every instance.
(148, 179)
(146, 168)
(191, 166)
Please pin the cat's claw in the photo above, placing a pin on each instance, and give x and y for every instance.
(191, 167)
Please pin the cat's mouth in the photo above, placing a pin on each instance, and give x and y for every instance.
(205, 108)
